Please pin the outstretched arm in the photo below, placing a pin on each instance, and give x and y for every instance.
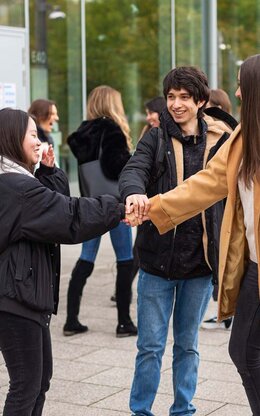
(196, 194)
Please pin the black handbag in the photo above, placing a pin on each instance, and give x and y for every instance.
(93, 182)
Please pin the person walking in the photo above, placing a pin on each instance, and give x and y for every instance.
(106, 127)
(175, 269)
(233, 173)
(35, 217)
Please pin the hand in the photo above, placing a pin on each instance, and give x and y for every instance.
(139, 204)
(48, 156)
(130, 219)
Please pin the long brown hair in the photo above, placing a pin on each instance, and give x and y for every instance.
(41, 109)
(13, 127)
(105, 101)
(250, 118)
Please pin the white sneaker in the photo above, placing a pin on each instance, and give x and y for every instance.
(212, 323)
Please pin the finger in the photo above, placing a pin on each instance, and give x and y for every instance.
(147, 207)
(128, 205)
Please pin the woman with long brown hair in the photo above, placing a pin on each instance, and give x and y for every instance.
(106, 128)
(234, 173)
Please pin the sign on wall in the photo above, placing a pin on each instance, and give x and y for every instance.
(7, 95)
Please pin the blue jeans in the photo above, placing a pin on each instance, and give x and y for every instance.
(157, 299)
(121, 238)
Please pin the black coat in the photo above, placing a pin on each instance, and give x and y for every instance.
(33, 220)
(85, 145)
(156, 252)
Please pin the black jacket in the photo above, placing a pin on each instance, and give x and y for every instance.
(85, 145)
(44, 137)
(158, 253)
(33, 220)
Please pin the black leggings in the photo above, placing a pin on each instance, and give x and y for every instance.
(244, 345)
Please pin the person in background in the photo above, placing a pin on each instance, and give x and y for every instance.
(46, 114)
(153, 109)
(106, 121)
(218, 98)
(35, 216)
(233, 173)
(176, 269)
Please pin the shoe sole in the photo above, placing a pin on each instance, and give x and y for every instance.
(125, 335)
(70, 333)
(215, 326)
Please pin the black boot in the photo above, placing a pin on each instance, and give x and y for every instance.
(124, 280)
(80, 273)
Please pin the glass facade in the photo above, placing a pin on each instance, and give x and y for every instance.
(128, 46)
(12, 13)
(238, 38)
(56, 64)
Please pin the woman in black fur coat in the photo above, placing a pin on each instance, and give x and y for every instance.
(106, 125)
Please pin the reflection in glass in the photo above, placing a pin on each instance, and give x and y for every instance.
(128, 46)
(55, 58)
(12, 13)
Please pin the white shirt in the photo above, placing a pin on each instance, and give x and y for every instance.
(247, 199)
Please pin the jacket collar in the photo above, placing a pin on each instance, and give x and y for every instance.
(173, 129)
(8, 166)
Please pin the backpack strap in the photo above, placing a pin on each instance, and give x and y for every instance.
(159, 167)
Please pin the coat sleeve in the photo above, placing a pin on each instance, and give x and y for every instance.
(49, 217)
(53, 178)
(136, 175)
(193, 196)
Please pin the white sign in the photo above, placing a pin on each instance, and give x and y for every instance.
(7, 95)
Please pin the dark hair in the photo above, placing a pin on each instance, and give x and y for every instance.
(41, 109)
(192, 79)
(13, 127)
(219, 98)
(156, 104)
(250, 118)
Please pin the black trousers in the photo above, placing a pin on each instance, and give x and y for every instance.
(244, 345)
(26, 348)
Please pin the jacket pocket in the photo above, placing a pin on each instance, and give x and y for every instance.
(26, 275)
(33, 277)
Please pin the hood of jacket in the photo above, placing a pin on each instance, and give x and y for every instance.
(85, 141)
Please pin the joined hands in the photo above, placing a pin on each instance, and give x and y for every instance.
(136, 209)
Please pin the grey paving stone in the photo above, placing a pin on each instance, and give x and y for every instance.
(79, 393)
(222, 391)
(231, 410)
(75, 371)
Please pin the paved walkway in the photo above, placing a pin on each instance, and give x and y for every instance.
(93, 371)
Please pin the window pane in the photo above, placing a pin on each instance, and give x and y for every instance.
(128, 47)
(12, 13)
(188, 32)
(239, 37)
(56, 74)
